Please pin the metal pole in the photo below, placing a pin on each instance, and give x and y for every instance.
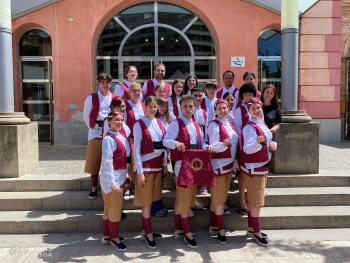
(6, 64)
(289, 49)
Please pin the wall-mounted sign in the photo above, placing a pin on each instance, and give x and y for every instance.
(237, 61)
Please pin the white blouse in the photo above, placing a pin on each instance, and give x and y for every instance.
(171, 108)
(138, 111)
(119, 90)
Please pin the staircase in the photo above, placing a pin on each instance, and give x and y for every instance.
(55, 203)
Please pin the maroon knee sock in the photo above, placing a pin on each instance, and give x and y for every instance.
(249, 220)
(256, 224)
(177, 222)
(94, 179)
(113, 229)
(220, 221)
(186, 224)
(212, 219)
(147, 225)
(105, 227)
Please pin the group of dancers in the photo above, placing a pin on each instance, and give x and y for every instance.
(136, 131)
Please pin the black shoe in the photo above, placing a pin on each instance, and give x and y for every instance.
(150, 244)
(119, 246)
(93, 195)
(155, 236)
(251, 233)
(242, 211)
(221, 239)
(191, 243)
(123, 216)
(260, 241)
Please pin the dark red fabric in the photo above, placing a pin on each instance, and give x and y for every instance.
(95, 109)
(105, 227)
(94, 179)
(113, 229)
(119, 155)
(147, 143)
(150, 89)
(223, 135)
(256, 224)
(220, 221)
(177, 222)
(227, 169)
(212, 219)
(219, 93)
(184, 137)
(186, 225)
(130, 121)
(126, 91)
(204, 117)
(260, 156)
(245, 116)
(196, 169)
(175, 110)
(147, 225)
(203, 104)
(155, 163)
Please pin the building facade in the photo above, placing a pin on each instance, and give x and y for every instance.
(59, 48)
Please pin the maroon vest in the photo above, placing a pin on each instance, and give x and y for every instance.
(260, 156)
(239, 103)
(119, 155)
(245, 116)
(147, 143)
(203, 104)
(184, 137)
(126, 91)
(95, 109)
(176, 110)
(223, 135)
(130, 121)
(150, 89)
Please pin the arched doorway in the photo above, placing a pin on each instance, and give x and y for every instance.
(148, 33)
(269, 59)
(35, 50)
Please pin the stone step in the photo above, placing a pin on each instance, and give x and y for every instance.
(30, 222)
(75, 200)
(76, 182)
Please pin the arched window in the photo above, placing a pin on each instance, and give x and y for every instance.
(35, 50)
(148, 33)
(269, 59)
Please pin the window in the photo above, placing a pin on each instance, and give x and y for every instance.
(149, 33)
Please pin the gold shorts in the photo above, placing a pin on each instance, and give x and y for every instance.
(219, 192)
(185, 198)
(255, 186)
(152, 191)
(93, 157)
(113, 205)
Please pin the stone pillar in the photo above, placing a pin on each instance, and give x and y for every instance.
(19, 152)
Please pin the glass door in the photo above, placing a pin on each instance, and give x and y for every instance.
(37, 95)
(269, 72)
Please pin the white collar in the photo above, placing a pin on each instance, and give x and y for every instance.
(256, 121)
(114, 133)
(128, 83)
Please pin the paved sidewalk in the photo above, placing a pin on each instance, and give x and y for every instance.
(302, 246)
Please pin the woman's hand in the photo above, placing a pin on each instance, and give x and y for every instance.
(141, 180)
(260, 139)
(272, 147)
(180, 146)
(227, 142)
(211, 149)
(116, 189)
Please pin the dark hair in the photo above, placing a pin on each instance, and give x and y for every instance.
(163, 101)
(186, 86)
(228, 94)
(187, 98)
(150, 99)
(247, 74)
(211, 84)
(116, 101)
(157, 87)
(173, 94)
(126, 70)
(159, 65)
(196, 88)
(274, 100)
(228, 71)
(104, 76)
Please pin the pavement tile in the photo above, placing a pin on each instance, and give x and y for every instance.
(106, 254)
(327, 249)
(217, 252)
(282, 250)
(326, 260)
(12, 255)
(175, 253)
(342, 260)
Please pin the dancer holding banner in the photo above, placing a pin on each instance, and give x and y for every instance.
(223, 138)
(257, 148)
(183, 135)
(150, 159)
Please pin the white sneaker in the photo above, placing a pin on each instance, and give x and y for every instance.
(126, 197)
(190, 213)
(197, 207)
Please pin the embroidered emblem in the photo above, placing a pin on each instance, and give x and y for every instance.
(196, 164)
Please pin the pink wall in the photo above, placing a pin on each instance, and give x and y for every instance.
(235, 25)
(320, 60)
